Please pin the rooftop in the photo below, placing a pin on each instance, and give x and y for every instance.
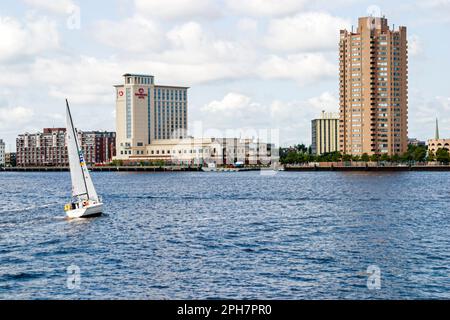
(136, 75)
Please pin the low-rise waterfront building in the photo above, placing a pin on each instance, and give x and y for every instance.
(99, 147)
(10, 159)
(201, 151)
(49, 148)
(437, 143)
(416, 142)
(325, 134)
(2, 153)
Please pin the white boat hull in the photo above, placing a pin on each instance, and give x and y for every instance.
(92, 210)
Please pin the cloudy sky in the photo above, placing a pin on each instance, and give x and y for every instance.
(251, 64)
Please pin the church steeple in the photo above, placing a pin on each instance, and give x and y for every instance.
(437, 130)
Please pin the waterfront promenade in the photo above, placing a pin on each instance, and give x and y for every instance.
(106, 169)
(338, 166)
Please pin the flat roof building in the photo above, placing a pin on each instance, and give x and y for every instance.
(2, 153)
(325, 134)
(201, 151)
(146, 112)
(10, 159)
(373, 88)
(49, 148)
(437, 143)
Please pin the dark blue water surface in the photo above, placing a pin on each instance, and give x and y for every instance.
(228, 235)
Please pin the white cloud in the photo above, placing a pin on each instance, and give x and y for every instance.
(231, 103)
(176, 9)
(326, 102)
(311, 31)
(435, 4)
(434, 11)
(247, 25)
(190, 43)
(415, 45)
(55, 6)
(186, 53)
(145, 35)
(34, 36)
(282, 113)
(12, 117)
(304, 68)
(85, 80)
(265, 7)
(423, 111)
(239, 112)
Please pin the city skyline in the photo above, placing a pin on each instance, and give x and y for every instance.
(255, 65)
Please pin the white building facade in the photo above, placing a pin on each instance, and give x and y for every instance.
(146, 112)
(202, 151)
(2, 153)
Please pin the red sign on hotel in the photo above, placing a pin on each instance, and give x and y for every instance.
(141, 94)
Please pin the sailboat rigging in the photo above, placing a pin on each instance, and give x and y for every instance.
(85, 201)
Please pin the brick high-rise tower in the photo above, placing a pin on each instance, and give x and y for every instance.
(373, 89)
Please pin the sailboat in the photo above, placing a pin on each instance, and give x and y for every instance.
(85, 201)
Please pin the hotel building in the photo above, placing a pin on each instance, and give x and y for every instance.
(373, 88)
(49, 148)
(146, 112)
(2, 153)
(325, 134)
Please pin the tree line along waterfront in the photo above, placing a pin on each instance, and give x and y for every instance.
(300, 154)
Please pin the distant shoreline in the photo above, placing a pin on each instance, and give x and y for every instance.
(103, 169)
(198, 169)
(370, 168)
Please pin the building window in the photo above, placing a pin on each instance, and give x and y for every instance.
(128, 113)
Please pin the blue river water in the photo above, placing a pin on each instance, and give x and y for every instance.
(240, 235)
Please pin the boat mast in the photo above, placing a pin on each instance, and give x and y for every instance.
(76, 144)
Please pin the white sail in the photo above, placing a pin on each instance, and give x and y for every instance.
(82, 186)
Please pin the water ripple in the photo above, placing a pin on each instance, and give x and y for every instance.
(298, 235)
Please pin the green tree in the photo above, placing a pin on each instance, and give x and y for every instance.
(419, 153)
(395, 158)
(291, 157)
(385, 157)
(117, 163)
(301, 148)
(365, 157)
(336, 156)
(374, 157)
(406, 157)
(346, 157)
(443, 156)
(431, 156)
